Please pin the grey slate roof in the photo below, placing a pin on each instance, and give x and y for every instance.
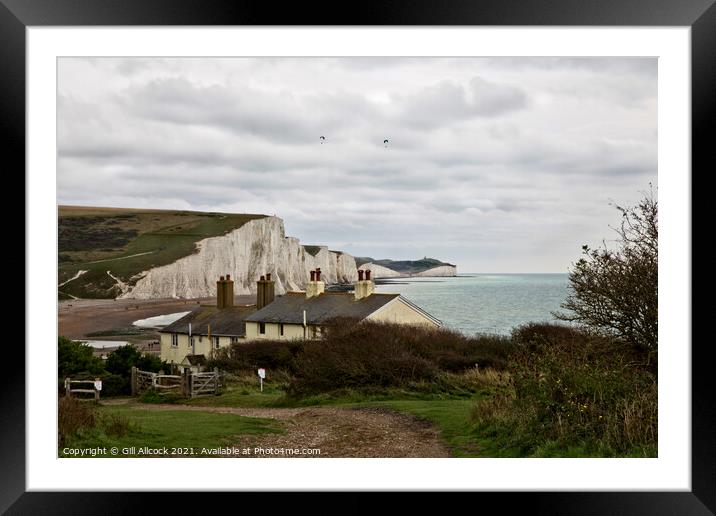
(195, 359)
(289, 308)
(224, 322)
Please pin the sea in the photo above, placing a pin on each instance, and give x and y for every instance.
(484, 303)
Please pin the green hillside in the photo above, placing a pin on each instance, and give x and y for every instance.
(127, 242)
(404, 266)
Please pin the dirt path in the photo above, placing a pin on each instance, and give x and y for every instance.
(336, 432)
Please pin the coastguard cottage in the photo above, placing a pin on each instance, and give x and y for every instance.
(189, 341)
(301, 315)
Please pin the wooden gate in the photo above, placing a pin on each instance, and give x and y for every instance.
(187, 384)
(143, 380)
(205, 384)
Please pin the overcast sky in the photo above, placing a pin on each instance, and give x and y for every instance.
(495, 164)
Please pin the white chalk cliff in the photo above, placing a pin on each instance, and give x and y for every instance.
(378, 271)
(258, 247)
(441, 271)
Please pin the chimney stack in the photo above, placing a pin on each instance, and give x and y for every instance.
(315, 287)
(364, 286)
(228, 292)
(264, 291)
(220, 298)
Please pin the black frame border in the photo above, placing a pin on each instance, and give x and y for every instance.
(700, 15)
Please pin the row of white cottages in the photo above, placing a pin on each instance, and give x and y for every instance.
(190, 341)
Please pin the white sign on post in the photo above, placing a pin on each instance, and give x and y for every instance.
(98, 385)
(262, 375)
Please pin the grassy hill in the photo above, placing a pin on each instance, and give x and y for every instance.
(404, 266)
(127, 242)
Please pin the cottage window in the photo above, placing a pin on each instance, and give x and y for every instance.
(216, 342)
(262, 328)
(280, 329)
(234, 340)
(191, 341)
(175, 340)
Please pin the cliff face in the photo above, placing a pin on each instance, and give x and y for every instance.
(443, 270)
(378, 271)
(258, 247)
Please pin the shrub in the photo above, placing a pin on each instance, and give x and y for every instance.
(370, 355)
(73, 417)
(250, 356)
(75, 357)
(573, 387)
(116, 425)
(121, 360)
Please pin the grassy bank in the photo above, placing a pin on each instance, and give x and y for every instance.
(126, 427)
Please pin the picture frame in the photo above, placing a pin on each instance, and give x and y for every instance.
(700, 15)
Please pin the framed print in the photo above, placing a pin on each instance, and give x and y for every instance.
(420, 243)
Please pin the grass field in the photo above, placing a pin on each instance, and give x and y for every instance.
(127, 242)
(171, 429)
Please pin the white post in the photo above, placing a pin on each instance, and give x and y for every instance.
(261, 380)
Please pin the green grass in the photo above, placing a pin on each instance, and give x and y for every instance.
(451, 417)
(172, 429)
(164, 235)
(243, 396)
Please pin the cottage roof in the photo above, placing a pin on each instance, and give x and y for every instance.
(195, 359)
(289, 308)
(223, 321)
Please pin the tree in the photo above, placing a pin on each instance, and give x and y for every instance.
(76, 357)
(121, 360)
(615, 291)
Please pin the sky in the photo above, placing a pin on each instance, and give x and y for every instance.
(493, 164)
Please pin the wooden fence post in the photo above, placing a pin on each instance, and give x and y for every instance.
(67, 388)
(186, 383)
(134, 380)
(216, 381)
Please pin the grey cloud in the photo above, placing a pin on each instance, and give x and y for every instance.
(450, 102)
(488, 159)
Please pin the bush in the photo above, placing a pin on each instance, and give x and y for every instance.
(76, 357)
(73, 417)
(575, 388)
(371, 355)
(121, 360)
(250, 356)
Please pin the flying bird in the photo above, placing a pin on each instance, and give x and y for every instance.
(385, 142)
(323, 139)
